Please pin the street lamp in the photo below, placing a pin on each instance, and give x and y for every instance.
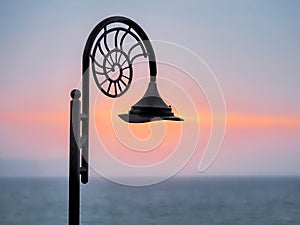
(111, 66)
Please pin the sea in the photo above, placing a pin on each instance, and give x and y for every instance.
(177, 201)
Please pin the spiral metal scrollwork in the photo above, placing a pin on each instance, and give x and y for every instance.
(112, 56)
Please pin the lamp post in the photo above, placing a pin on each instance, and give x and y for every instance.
(111, 66)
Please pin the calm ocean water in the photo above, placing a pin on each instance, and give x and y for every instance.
(179, 201)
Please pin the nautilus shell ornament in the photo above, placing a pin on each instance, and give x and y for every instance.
(113, 54)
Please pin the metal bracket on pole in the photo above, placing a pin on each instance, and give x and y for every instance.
(74, 164)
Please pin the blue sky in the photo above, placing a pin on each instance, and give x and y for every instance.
(252, 46)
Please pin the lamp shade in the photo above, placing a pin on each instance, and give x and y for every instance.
(150, 108)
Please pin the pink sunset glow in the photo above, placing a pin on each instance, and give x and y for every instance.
(255, 57)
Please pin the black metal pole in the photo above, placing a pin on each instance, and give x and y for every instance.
(74, 164)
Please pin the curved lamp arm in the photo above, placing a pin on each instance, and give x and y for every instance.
(86, 75)
(131, 24)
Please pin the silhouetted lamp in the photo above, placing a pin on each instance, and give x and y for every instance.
(150, 108)
(109, 53)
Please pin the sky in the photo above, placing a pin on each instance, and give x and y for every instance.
(253, 47)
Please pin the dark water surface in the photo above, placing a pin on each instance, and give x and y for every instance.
(179, 201)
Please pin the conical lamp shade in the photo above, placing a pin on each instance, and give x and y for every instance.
(150, 108)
